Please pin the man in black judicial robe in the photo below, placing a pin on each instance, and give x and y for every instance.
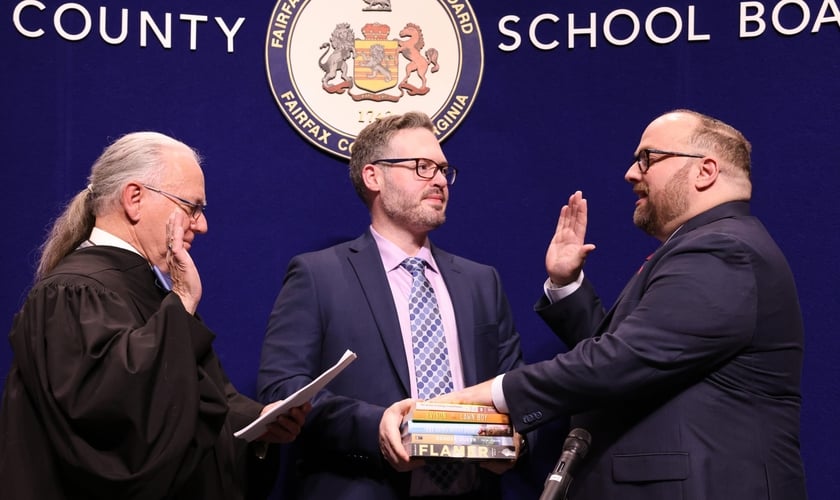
(115, 391)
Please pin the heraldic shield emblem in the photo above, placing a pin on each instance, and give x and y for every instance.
(334, 67)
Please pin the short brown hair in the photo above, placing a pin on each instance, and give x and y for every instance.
(372, 142)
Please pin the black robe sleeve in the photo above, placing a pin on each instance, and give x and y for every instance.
(113, 392)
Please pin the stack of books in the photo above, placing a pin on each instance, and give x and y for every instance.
(459, 431)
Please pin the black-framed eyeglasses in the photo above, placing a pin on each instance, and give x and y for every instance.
(194, 210)
(425, 168)
(643, 158)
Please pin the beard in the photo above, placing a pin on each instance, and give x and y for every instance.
(400, 207)
(663, 207)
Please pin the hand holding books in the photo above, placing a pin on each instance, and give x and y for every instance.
(412, 432)
(390, 439)
(458, 431)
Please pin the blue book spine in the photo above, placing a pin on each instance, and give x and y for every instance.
(413, 427)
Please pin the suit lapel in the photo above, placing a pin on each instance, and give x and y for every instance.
(367, 265)
(631, 284)
(725, 210)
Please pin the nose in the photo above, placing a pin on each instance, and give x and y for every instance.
(633, 175)
(439, 178)
(199, 226)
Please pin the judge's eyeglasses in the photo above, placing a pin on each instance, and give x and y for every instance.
(194, 210)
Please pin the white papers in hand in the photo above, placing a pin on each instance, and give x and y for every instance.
(258, 427)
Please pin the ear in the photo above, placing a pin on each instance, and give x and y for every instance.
(132, 194)
(707, 175)
(372, 177)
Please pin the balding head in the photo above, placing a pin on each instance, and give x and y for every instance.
(692, 162)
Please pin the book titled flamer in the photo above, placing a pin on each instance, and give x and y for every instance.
(473, 451)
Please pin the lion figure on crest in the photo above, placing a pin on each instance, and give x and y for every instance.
(341, 40)
(377, 63)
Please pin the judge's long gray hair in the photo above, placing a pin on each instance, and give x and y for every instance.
(134, 157)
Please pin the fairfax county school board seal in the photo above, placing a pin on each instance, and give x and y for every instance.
(334, 66)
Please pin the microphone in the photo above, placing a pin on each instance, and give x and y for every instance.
(574, 450)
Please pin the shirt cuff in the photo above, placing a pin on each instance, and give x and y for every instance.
(556, 293)
(499, 394)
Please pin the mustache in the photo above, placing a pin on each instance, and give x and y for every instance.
(435, 191)
(641, 189)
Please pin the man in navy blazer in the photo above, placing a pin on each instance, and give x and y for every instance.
(346, 296)
(690, 384)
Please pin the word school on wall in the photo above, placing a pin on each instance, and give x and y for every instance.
(664, 25)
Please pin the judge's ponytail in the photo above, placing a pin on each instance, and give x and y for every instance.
(69, 230)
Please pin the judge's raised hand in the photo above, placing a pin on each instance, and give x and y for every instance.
(186, 283)
(567, 251)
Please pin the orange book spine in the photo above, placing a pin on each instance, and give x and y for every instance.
(460, 416)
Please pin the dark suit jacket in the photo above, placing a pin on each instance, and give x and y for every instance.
(337, 299)
(690, 385)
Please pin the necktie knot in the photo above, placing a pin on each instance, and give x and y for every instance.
(415, 265)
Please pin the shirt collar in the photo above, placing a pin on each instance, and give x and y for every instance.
(100, 237)
(392, 256)
(672, 234)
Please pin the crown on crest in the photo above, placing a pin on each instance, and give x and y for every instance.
(376, 31)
